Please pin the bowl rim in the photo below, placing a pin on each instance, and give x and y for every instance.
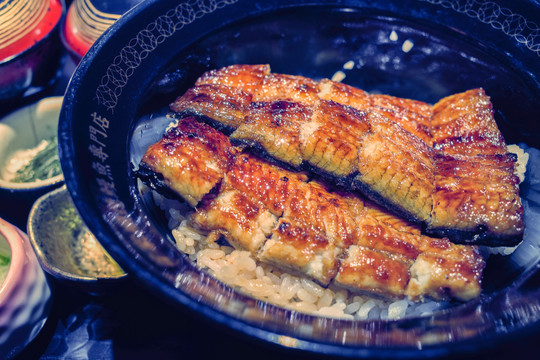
(57, 101)
(29, 186)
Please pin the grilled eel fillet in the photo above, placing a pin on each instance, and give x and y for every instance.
(298, 224)
(445, 166)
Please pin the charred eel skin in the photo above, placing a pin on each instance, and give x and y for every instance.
(301, 225)
(444, 166)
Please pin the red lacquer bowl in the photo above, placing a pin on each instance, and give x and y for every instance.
(86, 20)
(30, 49)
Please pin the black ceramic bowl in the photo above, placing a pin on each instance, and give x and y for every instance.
(115, 101)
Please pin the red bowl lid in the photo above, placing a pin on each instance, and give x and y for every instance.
(24, 23)
(84, 24)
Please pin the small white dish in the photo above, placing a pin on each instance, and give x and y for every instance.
(20, 131)
(25, 129)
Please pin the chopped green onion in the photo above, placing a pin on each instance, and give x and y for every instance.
(44, 165)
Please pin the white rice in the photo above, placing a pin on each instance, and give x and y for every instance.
(522, 159)
(242, 271)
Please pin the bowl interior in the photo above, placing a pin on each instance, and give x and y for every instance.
(382, 54)
(376, 51)
(25, 129)
(65, 246)
(154, 54)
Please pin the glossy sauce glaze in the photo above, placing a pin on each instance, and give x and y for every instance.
(399, 152)
(301, 225)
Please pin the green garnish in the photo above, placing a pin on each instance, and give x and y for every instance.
(44, 165)
(4, 260)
